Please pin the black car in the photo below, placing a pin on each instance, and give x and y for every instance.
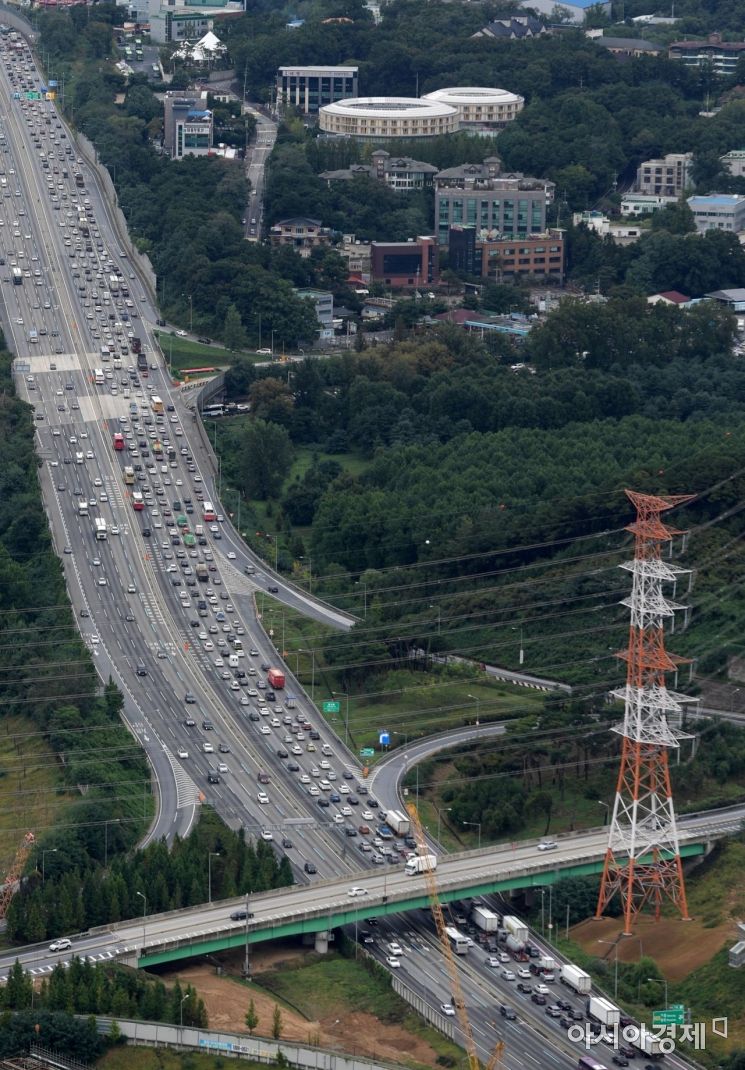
(293, 767)
(323, 802)
(627, 1051)
(241, 915)
(565, 1023)
(538, 998)
(282, 753)
(563, 1004)
(146, 533)
(576, 1016)
(224, 748)
(189, 722)
(334, 797)
(349, 831)
(310, 868)
(273, 590)
(208, 725)
(507, 1012)
(523, 987)
(287, 842)
(619, 1060)
(213, 778)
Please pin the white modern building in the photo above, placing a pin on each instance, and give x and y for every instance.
(479, 105)
(636, 204)
(373, 118)
(718, 211)
(309, 88)
(734, 162)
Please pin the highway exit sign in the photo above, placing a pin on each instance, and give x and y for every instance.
(331, 707)
(672, 1016)
(367, 752)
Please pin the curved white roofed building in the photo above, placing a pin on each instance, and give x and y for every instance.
(479, 105)
(388, 117)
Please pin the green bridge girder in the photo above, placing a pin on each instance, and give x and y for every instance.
(300, 927)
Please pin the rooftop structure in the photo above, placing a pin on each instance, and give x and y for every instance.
(515, 28)
(713, 53)
(372, 118)
(718, 211)
(479, 105)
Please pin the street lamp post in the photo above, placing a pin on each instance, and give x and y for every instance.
(190, 299)
(210, 856)
(661, 981)
(144, 917)
(312, 652)
(476, 824)
(477, 700)
(440, 812)
(543, 901)
(181, 1009)
(346, 714)
(44, 853)
(614, 945)
(310, 571)
(606, 815)
(246, 967)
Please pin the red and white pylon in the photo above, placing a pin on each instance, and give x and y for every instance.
(642, 861)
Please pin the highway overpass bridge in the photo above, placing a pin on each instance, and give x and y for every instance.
(316, 909)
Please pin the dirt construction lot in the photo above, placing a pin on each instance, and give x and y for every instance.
(678, 947)
(359, 1033)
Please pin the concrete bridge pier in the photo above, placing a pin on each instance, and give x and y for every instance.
(322, 942)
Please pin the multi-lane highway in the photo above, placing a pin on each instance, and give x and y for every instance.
(73, 319)
(194, 677)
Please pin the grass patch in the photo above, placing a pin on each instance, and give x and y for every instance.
(184, 353)
(307, 456)
(130, 1057)
(29, 784)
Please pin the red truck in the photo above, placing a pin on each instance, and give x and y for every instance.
(118, 440)
(275, 678)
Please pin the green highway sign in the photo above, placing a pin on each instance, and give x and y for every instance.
(677, 1007)
(672, 1016)
(367, 752)
(331, 707)
(33, 96)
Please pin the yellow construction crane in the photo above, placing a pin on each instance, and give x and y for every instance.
(14, 874)
(436, 907)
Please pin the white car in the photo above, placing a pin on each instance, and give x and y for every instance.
(448, 1009)
(493, 961)
(548, 845)
(222, 767)
(183, 752)
(356, 891)
(542, 990)
(508, 975)
(231, 555)
(208, 748)
(60, 945)
(263, 798)
(265, 730)
(266, 834)
(393, 962)
(523, 974)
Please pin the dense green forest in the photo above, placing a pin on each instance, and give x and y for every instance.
(48, 674)
(96, 988)
(444, 486)
(78, 893)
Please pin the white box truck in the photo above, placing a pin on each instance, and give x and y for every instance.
(485, 919)
(515, 928)
(603, 1011)
(420, 864)
(577, 979)
(649, 1044)
(398, 822)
